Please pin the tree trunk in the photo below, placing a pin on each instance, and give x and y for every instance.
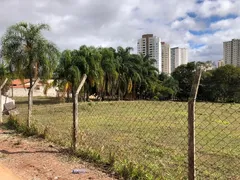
(29, 108)
(87, 94)
(30, 95)
(68, 95)
(103, 89)
(119, 98)
(106, 86)
(30, 103)
(111, 88)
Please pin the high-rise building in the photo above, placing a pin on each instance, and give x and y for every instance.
(231, 52)
(151, 45)
(220, 63)
(179, 56)
(166, 58)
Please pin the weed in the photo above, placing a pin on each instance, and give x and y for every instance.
(13, 124)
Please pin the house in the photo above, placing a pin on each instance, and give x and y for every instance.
(20, 88)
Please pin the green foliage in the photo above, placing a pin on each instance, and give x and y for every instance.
(110, 72)
(184, 74)
(27, 52)
(129, 170)
(13, 124)
(219, 85)
(222, 84)
(132, 129)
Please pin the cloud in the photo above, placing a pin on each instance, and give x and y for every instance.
(218, 8)
(188, 23)
(120, 23)
(226, 24)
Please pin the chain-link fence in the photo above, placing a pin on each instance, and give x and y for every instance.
(146, 139)
(218, 140)
(148, 136)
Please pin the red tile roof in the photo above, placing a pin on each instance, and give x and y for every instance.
(17, 83)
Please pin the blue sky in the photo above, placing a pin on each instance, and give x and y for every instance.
(199, 25)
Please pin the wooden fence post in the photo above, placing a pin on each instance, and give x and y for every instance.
(75, 113)
(191, 125)
(30, 102)
(1, 110)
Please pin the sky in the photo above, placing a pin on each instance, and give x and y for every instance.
(200, 25)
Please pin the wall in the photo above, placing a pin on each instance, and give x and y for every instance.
(22, 92)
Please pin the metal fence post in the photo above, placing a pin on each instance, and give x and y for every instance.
(75, 113)
(1, 110)
(191, 125)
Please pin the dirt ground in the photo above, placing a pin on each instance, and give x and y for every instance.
(35, 159)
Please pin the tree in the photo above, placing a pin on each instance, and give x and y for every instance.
(123, 65)
(108, 65)
(170, 84)
(67, 74)
(149, 77)
(92, 57)
(222, 84)
(184, 75)
(28, 53)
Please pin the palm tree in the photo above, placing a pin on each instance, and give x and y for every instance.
(28, 53)
(149, 74)
(67, 74)
(109, 72)
(123, 65)
(134, 74)
(92, 57)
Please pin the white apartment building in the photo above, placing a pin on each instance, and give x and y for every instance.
(179, 56)
(166, 58)
(151, 45)
(231, 52)
(220, 63)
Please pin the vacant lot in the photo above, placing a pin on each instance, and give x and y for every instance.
(151, 134)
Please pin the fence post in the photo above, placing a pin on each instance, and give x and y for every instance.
(1, 110)
(30, 103)
(75, 113)
(191, 125)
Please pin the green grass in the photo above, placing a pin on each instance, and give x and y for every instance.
(147, 139)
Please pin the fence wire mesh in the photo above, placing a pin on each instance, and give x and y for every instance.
(217, 140)
(150, 135)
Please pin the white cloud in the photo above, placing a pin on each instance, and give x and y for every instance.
(218, 7)
(187, 23)
(226, 24)
(120, 23)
